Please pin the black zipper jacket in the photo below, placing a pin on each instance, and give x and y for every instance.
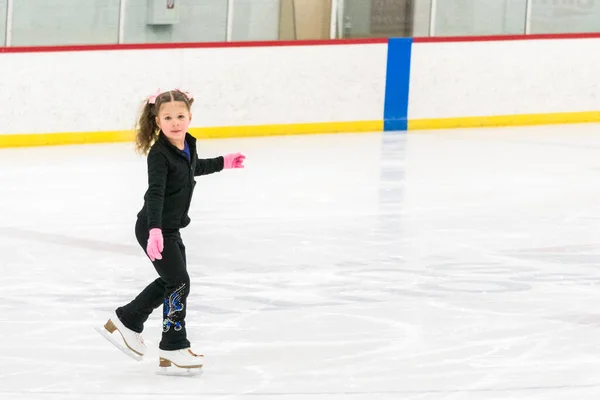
(171, 183)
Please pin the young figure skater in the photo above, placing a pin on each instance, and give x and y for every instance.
(172, 165)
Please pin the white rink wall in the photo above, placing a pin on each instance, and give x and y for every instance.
(490, 78)
(88, 91)
(401, 84)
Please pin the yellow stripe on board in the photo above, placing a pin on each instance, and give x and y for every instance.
(287, 129)
(50, 139)
(504, 120)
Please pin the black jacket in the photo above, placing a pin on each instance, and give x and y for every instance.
(171, 183)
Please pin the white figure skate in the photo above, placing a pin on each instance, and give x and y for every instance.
(132, 343)
(178, 361)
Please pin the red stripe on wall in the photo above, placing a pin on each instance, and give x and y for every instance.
(495, 38)
(283, 43)
(195, 45)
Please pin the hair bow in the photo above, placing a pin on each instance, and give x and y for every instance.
(152, 98)
(187, 94)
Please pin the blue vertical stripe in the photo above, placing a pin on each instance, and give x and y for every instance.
(395, 112)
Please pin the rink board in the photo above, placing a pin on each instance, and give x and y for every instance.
(458, 82)
(92, 94)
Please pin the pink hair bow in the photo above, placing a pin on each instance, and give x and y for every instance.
(152, 98)
(187, 94)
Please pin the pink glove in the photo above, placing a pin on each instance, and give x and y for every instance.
(235, 160)
(155, 244)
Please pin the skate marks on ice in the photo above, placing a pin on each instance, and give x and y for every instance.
(69, 241)
(437, 300)
(432, 308)
(492, 342)
(180, 372)
(476, 325)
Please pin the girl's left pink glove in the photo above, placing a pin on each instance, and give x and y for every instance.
(235, 160)
(155, 244)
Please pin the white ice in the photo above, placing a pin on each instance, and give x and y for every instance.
(446, 265)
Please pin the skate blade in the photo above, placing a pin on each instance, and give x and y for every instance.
(117, 343)
(176, 371)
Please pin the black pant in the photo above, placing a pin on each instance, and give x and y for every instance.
(171, 290)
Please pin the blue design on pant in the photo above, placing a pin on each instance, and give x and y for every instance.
(172, 305)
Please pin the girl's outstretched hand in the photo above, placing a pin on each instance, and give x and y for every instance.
(234, 160)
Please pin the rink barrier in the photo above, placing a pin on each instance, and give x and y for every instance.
(340, 120)
(399, 68)
(507, 120)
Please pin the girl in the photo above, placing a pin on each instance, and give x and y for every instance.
(172, 165)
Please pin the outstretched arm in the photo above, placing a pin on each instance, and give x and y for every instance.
(207, 166)
(210, 165)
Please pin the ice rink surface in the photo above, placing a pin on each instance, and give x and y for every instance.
(444, 265)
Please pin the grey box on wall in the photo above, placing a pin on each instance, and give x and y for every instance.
(163, 12)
